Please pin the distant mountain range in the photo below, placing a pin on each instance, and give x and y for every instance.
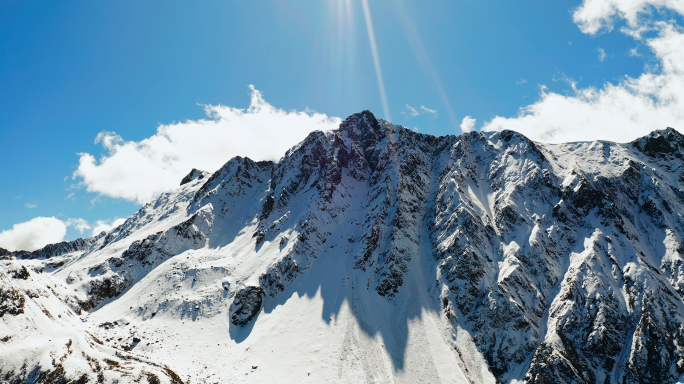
(373, 253)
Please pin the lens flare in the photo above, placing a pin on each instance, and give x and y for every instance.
(376, 57)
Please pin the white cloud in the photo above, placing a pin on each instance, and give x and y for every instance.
(41, 231)
(80, 225)
(594, 15)
(601, 54)
(412, 111)
(138, 171)
(623, 111)
(468, 124)
(428, 110)
(521, 81)
(29, 205)
(106, 225)
(33, 234)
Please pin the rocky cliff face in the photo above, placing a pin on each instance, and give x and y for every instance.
(543, 263)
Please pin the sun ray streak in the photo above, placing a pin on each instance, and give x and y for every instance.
(350, 29)
(422, 55)
(376, 57)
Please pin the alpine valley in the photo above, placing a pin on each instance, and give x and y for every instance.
(373, 254)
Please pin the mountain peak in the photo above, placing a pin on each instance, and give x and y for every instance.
(195, 174)
(363, 123)
(660, 142)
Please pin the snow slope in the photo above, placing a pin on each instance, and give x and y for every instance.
(373, 253)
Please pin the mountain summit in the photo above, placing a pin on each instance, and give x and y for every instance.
(373, 253)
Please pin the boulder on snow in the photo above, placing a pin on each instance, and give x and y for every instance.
(246, 305)
(11, 300)
(18, 271)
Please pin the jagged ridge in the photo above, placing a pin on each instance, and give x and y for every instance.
(563, 262)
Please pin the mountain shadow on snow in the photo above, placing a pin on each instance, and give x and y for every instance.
(373, 253)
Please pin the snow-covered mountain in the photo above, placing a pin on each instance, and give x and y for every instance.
(373, 253)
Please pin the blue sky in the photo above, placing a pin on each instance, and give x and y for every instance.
(71, 70)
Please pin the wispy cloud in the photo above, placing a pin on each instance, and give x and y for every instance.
(30, 205)
(468, 124)
(138, 171)
(601, 54)
(428, 110)
(411, 111)
(563, 78)
(521, 81)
